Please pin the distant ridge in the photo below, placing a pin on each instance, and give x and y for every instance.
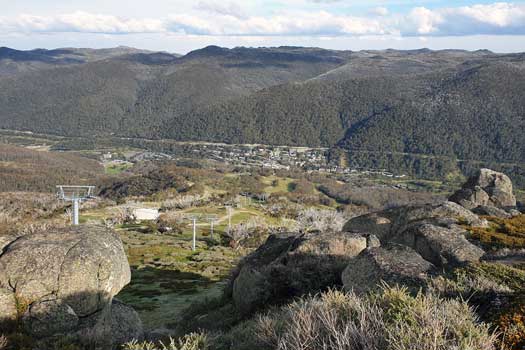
(453, 103)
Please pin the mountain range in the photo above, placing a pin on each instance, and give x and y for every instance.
(459, 104)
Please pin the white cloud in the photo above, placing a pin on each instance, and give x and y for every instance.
(498, 18)
(422, 21)
(80, 22)
(499, 14)
(229, 19)
(226, 9)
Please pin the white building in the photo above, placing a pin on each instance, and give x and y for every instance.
(146, 214)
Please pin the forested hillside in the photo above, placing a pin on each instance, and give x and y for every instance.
(16, 61)
(23, 169)
(378, 106)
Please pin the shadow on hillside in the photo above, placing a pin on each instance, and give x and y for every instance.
(167, 279)
(85, 320)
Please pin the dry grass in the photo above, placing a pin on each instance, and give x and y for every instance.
(391, 320)
(3, 342)
(192, 341)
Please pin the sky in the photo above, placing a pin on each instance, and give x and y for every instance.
(183, 25)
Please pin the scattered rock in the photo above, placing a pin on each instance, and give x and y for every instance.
(64, 280)
(393, 264)
(434, 231)
(514, 212)
(251, 289)
(486, 188)
(377, 224)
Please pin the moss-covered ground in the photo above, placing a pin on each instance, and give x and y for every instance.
(502, 233)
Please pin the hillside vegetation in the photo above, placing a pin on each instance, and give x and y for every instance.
(402, 110)
(23, 169)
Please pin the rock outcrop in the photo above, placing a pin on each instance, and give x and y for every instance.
(290, 265)
(126, 324)
(433, 231)
(393, 264)
(486, 188)
(415, 241)
(388, 223)
(441, 246)
(400, 245)
(404, 245)
(488, 210)
(63, 282)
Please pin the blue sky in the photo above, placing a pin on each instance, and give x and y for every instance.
(184, 25)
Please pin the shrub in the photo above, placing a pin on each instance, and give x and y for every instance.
(124, 215)
(184, 201)
(319, 220)
(512, 324)
(502, 233)
(172, 221)
(481, 279)
(252, 233)
(497, 290)
(32, 227)
(391, 320)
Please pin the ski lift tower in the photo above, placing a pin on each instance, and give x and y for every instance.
(212, 218)
(193, 218)
(75, 194)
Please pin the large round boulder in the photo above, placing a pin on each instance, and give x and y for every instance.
(486, 188)
(62, 281)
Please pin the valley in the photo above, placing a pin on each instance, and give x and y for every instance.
(386, 109)
(262, 198)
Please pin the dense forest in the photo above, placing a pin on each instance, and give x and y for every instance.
(387, 109)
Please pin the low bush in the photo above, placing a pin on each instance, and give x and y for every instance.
(502, 233)
(511, 323)
(497, 291)
(392, 320)
(251, 233)
(185, 201)
(319, 220)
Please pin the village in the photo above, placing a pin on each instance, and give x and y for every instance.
(249, 155)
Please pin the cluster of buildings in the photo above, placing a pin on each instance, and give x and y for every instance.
(272, 157)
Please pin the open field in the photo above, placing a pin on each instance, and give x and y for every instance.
(167, 276)
(112, 168)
